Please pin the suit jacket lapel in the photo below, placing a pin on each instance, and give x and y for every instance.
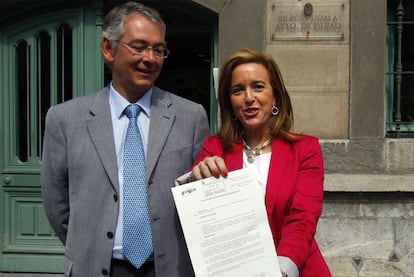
(100, 130)
(161, 122)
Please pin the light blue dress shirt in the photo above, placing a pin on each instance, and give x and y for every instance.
(120, 124)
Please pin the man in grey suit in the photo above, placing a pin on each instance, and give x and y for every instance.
(82, 160)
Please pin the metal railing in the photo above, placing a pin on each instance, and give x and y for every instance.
(398, 72)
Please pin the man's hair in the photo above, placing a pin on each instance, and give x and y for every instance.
(114, 20)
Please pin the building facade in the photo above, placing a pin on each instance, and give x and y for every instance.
(348, 67)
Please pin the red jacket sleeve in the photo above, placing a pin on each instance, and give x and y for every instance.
(299, 201)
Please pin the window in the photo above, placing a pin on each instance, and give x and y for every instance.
(43, 83)
(33, 85)
(64, 63)
(400, 68)
(22, 103)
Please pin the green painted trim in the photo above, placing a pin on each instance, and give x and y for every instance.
(16, 180)
(3, 147)
(28, 243)
(214, 124)
(25, 30)
(93, 62)
(26, 226)
(33, 263)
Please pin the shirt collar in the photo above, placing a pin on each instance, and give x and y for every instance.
(120, 103)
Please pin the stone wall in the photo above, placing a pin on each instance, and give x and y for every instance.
(368, 233)
(367, 224)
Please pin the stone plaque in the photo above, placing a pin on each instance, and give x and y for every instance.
(307, 21)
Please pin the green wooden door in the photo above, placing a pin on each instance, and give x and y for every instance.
(45, 60)
(51, 56)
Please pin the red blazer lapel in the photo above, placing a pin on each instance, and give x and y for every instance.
(278, 162)
(234, 157)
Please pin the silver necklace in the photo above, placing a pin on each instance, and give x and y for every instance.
(255, 151)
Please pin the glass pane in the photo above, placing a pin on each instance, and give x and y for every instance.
(64, 63)
(43, 86)
(22, 103)
(407, 98)
(407, 56)
(400, 78)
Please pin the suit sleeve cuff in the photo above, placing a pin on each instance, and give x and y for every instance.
(287, 266)
(183, 179)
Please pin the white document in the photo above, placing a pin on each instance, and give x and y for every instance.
(225, 226)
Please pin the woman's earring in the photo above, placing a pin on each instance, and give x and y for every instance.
(275, 111)
(233, 117)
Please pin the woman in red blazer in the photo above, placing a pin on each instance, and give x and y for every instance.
(256, 122)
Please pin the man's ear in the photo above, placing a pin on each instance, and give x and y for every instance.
(107, 51)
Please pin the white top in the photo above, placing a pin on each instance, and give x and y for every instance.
(260, 166)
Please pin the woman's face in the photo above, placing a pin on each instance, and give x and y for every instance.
(251, 96)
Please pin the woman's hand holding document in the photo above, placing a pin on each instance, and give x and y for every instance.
(225, 225)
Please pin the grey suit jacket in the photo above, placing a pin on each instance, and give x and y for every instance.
(80, 179)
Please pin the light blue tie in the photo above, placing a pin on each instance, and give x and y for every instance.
(137, 241)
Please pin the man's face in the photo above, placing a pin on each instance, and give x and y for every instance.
(134, 73)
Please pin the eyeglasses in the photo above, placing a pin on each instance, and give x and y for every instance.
(140, 49)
